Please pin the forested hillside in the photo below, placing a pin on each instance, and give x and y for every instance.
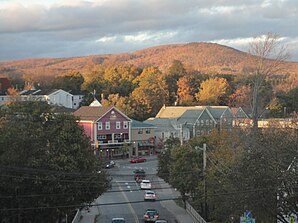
(207, 58)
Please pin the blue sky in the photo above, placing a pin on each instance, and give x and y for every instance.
(66, 28)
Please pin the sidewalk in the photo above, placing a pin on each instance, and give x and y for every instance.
(180, 213)
(89, 215)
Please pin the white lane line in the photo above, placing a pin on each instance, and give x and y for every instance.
(129, 205)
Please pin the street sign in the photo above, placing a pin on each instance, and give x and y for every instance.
(247, 217)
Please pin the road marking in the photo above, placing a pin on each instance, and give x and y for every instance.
(129, 205)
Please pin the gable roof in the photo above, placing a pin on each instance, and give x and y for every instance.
(95, 103)
(178, 111)
(217, 111)
(190, 116)
(89, 113)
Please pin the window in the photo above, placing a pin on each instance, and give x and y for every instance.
(100, 137)
(108, 125)
(202, 122)
(207, 122)
(99, 125)
(118, 125)
(140, 131)
(148, 131)
(118, 136)
(125, 124)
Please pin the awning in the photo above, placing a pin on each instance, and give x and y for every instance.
(145, 143)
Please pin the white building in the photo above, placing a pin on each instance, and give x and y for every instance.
(57, 97)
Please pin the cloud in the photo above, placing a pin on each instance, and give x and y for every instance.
(74, 27)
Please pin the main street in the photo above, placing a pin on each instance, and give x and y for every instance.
(125, 199)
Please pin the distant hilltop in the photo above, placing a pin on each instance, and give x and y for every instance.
(209, 58)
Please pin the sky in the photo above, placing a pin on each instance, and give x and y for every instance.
(69, 28)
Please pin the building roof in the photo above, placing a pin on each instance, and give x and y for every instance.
(162, 123)
(217, 111)
(190, 116)
(178, 111)
(136, 124)
(171, 111)
(89, 113)
(38, 92)
(95, 103)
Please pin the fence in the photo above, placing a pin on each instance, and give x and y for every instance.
(190, 210)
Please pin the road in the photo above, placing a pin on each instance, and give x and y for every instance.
(125, 199)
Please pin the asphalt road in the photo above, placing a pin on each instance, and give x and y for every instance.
(126, 199)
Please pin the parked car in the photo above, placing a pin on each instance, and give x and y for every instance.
(149, 195)
(138, 160)
(110, 164)
(145, 184)
(139, 175)
(118, 220)
(151, 215)
(161, 221)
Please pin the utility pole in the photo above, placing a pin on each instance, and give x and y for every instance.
(204, 179)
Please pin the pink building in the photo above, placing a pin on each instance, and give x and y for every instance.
(108, 128)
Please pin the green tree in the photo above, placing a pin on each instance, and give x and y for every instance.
(151, 93)
(47, 165)
(276, 108)
(185, 169)
(164, 159)
(175, 71)
(69, 81)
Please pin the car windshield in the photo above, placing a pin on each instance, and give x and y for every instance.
(146, 181)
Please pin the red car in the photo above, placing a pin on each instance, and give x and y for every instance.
(138, 160)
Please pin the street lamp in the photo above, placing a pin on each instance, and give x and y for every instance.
(204, 178)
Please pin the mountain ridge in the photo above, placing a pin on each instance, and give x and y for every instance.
(205, 57)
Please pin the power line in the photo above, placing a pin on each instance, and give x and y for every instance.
(140, 201)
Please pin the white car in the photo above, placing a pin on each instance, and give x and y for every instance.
(149, 195)
(145, 184)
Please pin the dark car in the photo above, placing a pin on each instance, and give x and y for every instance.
(139, 175)
(138, 160)
(110, 164)
(151, 215)
(118, 220)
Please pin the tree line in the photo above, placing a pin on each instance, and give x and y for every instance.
(141, 92)
(48, 168)
(245, 171)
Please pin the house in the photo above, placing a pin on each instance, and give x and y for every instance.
(108, 128)
(142, 138)
(53, 97)
(223, 116)
(185, 122)
(241, 118)
(165, 129)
